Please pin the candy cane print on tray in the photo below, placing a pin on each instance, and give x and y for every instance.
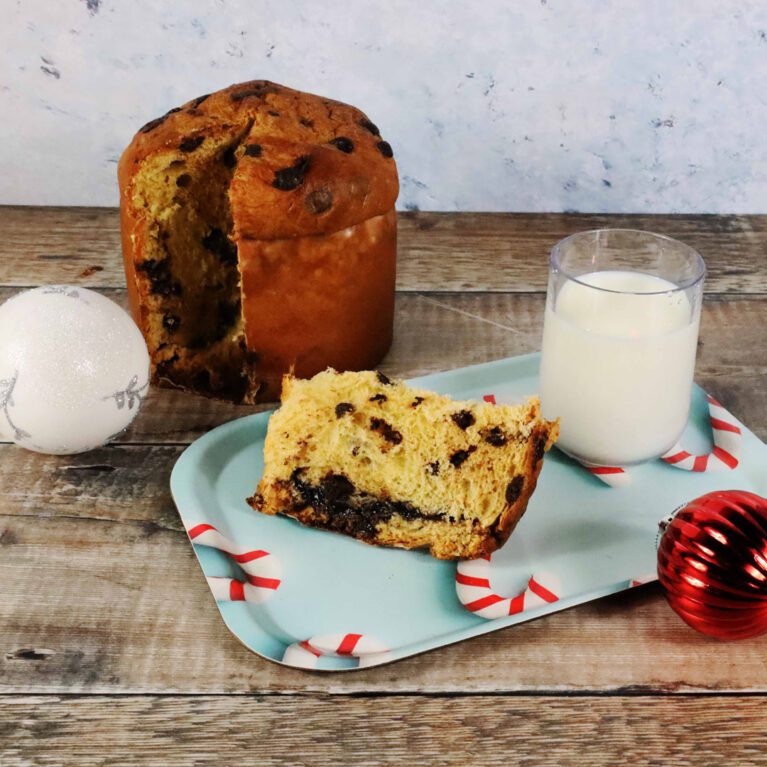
(727, 439)
(262, 569)
(233, 590)
(641, 580)
(472, 584)
(367, 650)
(614, 476)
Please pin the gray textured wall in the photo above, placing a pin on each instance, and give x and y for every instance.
(536, 105)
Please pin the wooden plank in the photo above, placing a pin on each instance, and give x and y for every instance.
(509, 252)
(375, 732)
(50, 245)
(448, 252)
(110, 599)
(127, 484)
(441, 331)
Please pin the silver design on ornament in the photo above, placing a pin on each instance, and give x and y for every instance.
(131, 395)
(64, 290)
(6, 403)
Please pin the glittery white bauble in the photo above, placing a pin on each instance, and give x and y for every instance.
(73, 369)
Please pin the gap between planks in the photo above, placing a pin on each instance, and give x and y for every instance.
(633, 692)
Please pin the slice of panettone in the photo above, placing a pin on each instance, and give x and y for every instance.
(373, 458)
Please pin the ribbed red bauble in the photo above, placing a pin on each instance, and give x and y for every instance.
(712, 564)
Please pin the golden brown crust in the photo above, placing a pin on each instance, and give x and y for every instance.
(541, 440)
(338, 190)
(347, 312)
(289, 127)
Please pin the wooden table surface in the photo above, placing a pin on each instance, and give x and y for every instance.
(113, 651)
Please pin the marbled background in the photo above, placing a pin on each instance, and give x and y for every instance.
(535, 105)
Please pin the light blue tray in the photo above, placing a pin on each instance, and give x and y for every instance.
(357, 605)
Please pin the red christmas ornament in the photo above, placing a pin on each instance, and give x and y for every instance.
(712, 564)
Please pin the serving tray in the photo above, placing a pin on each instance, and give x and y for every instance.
(313, 599)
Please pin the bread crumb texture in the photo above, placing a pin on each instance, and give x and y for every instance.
(254, 169)
(374, 458)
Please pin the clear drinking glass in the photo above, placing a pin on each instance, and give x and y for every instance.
(619, 341)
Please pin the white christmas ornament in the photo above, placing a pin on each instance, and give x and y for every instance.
(74, 369)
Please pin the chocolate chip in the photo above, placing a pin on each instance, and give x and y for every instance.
(201, 380)
(152, 124)
(244, 94)
(416, 402)
(378, 398)
(165, 368)
(384, 147)
(346, 145)
(200, 99)
(385, 380)
(338, 505)
(306, 122)
(273, 113)
(161, 282)
(495, 436)
(319, 201)
(228, 313)
(217, 242)
(257, 88)
(463, 419)
(386, 430)
(184, 180)
(514, 489)
(191, 143)
(369, 126)
(459, 456)
(337, 487)
(291, 178)
(253, 150)
(342, 408)
(228, 157)
(171, 322)
(540, 448)
(433, 468)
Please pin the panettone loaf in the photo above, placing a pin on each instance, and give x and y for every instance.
(363, 455)
(259, 236)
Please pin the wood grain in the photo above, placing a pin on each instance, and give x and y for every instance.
(438, 252)
(375, 732)
(436, 332)
(106, 597)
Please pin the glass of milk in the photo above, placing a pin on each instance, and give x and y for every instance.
(619, 340)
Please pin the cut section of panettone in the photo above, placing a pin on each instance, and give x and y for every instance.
(370, 457)
(259, 237)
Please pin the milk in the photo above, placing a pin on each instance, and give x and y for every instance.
(617, 367)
